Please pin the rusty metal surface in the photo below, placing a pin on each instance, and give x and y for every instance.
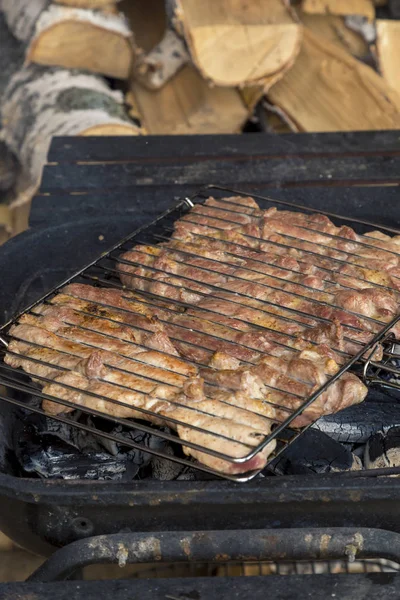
(220, 546)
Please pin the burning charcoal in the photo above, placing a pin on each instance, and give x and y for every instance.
(357, 423)
(315, 452)
(383, 449)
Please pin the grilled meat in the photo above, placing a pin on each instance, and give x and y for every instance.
(226, 329)
(104, 381)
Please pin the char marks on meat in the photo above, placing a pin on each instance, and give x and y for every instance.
(222, 331)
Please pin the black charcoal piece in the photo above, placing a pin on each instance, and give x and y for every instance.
(383, 450)
(50, 457)
(315, 452)
(52, 450)
(357, 423)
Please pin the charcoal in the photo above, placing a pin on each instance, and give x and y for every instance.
(315, 452)
(49, 456)
(166, 470)
(51, 449)
(383, 449)
(357, 423)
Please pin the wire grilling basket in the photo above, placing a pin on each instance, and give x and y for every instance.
(19, 389)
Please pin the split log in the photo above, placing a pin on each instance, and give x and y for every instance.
(388, 48)
(236, 43)
(329, 90)
(71, 37)
(188, 105)
(340, 7)
(230, 42)
(42, 102)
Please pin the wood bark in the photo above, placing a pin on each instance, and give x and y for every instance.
(42, 102)
(157, 67)
(57, 35)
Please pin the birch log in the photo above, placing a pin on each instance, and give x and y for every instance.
(68, 37)
(230, 42)
(236, 43)
(42, 102)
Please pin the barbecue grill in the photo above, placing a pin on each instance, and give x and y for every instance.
(41, 514)
(103, 272)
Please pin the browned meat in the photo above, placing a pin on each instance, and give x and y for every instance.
(111, 377)
(250, 313)
(292, 254)
(269, 302)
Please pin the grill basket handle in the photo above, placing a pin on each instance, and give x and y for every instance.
(220, 546)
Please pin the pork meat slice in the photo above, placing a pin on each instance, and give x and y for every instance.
(134, 391)
(294, 256)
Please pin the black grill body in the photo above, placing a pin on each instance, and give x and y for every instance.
(94, 193)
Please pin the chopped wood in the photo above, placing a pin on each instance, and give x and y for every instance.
(72, 37)
(334, 30)
(340, 7)
(41, 102)
(329, 90)
(233, 42)
(188, 105)
(388, 48)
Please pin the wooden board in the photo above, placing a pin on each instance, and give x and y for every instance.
(259, 171)
(346, 94)
(388, 47)
(67, 150)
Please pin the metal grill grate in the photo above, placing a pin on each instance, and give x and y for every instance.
(103, 273)
(258, 568)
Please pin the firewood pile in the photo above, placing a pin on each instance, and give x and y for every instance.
(134, 67)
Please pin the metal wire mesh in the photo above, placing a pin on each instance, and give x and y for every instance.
(264, 568)
(134, 308)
